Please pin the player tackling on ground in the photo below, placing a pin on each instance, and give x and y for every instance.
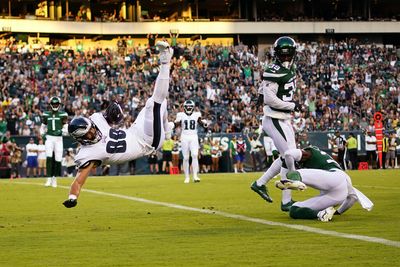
(276, 93)
(319, 171)
(189, 121)
(102, 144)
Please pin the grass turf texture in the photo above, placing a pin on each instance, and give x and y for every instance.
(36, 230)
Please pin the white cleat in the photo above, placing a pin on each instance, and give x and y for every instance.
(166, 52)
(48, 182)
(187, 180)
(326, 215)
(54, 182)
(289, 184)
(196, 180)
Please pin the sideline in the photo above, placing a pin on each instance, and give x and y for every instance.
(238, 217)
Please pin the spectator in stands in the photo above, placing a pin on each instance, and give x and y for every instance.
(41, 148)
(215, 155)
(205, 156)
(391, 156)
(69, 162)
(166, 148)
(340, 143)
(241, 149)
(370, 148)
(233, 153)
(153, 162)
(31, 158)
(385, 150)
(15, 160)
(176, 150)
(351, 144)
(255, 149)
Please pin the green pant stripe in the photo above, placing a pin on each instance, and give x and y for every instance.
(278, 126)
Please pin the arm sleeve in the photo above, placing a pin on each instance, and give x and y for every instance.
(270, 89)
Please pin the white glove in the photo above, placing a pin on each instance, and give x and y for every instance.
(166, 52)
(42, 129)
(64, 130)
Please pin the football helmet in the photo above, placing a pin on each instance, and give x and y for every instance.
(285, 51)
(84, 131)
(113, 113)
(55, 103)
(188, 106)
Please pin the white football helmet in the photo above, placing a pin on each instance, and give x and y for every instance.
(188, 106)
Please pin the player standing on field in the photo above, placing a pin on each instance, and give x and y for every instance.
(189, 121)
(276, 94)
(53, 125)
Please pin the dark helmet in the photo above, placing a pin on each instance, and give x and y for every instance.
(285, 51)
(55, 103)
(113, 113)
(84, 131)
(188, 106)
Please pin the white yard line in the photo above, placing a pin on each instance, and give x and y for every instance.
(239, 217)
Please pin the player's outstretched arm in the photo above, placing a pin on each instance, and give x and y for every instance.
(77, 185)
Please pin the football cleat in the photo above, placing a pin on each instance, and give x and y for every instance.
(288, 184)
(287, 206)
(187, 180)
(70, 203)
(262, 191)
(48, 182)
(196, 180)
(166, 52)
(326, 215)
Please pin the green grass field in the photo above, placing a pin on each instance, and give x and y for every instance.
(120, 230)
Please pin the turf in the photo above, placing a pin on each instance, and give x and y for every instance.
(36, 230)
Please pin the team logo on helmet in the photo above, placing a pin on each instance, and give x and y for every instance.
(188, 106)
(55, 103)
(285, 51)
(84, 131)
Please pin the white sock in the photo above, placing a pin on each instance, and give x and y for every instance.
(186, 167)
(286, 196)
(235, 169)
(271, 172)
(162, 84)
(195, 165)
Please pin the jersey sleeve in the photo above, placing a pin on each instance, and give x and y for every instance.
(86, 155)
(270, 90)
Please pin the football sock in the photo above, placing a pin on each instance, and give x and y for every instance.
(162, 84)
(302, 213)
(57, 168)
(270, 173)
(186, 167)
(49, 166)
(195, 166)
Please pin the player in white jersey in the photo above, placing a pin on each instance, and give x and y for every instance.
(102, 144)
(189, 120)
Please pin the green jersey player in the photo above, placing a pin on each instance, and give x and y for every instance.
(53, 123)
(276, 94)
(319, 171)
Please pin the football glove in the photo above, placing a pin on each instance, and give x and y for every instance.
(70, 203)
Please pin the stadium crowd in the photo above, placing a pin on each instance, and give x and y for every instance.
(340, 84)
